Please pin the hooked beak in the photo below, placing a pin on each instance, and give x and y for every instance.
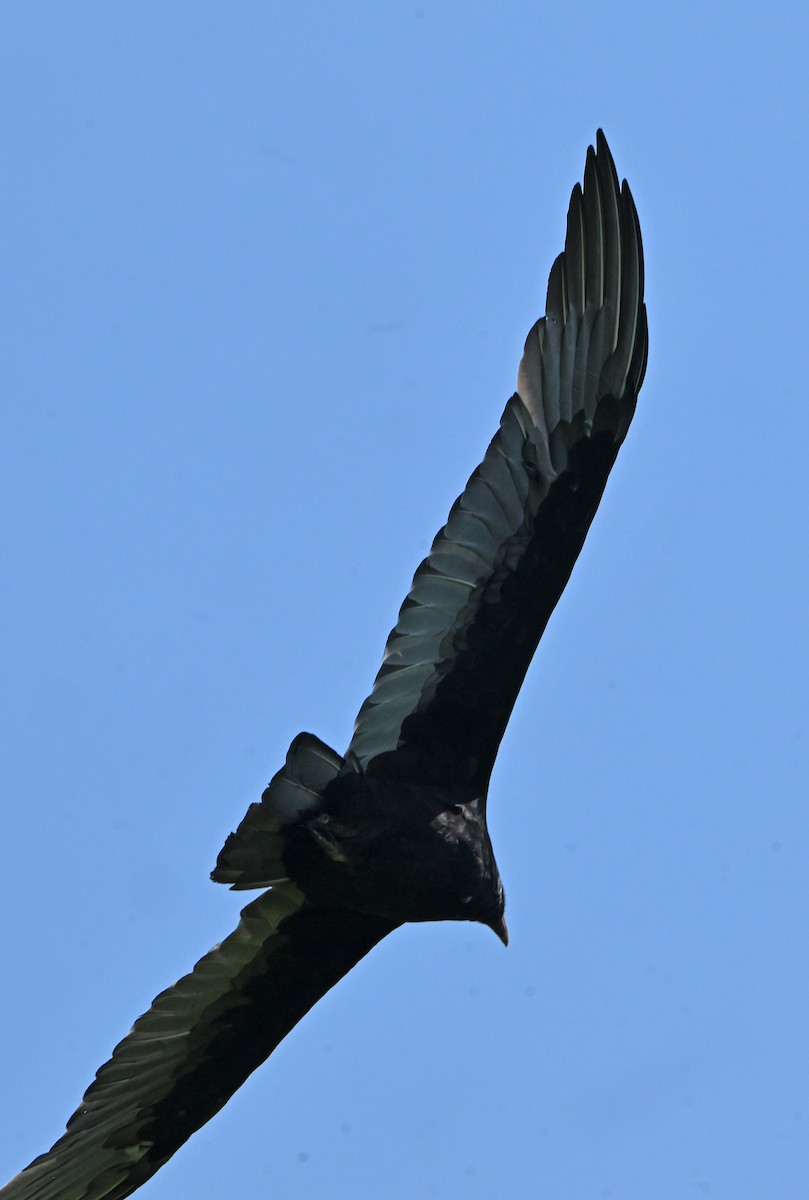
(498, 924)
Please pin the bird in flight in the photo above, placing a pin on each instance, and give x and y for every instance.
(347, 848)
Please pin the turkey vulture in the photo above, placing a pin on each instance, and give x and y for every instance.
(348, 848)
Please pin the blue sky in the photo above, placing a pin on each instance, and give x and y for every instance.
(267, 273)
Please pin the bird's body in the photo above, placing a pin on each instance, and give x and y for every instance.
(349, 847)
(398, 850)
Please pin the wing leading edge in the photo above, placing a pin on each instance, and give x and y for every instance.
(479, 602)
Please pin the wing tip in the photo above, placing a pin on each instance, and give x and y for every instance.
(594, 301)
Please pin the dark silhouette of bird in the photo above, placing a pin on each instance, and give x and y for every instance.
(350, 847)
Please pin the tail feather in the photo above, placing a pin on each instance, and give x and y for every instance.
(253, 856)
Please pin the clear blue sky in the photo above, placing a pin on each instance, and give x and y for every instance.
(267, 270)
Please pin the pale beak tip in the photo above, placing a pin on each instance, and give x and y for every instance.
(498, 924)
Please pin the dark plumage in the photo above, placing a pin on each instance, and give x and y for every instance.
(351, 847)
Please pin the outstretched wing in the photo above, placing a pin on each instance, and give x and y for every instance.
(197, 1044)
(480, 601)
